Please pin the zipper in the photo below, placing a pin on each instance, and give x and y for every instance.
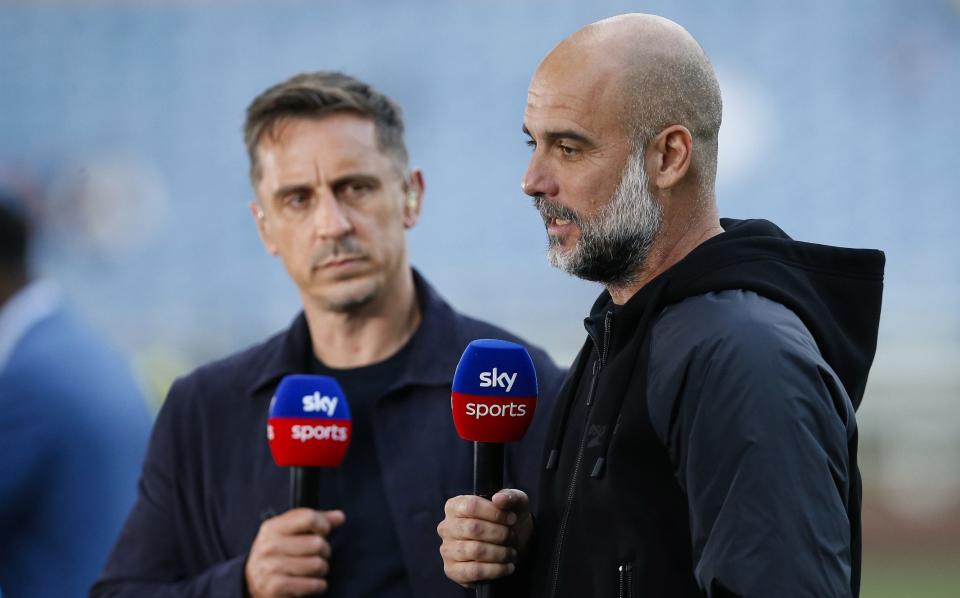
(625, 585)
(597, 366)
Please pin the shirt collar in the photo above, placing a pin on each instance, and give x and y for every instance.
(434, 352)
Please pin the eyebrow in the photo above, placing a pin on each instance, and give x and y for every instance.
(287, 189)
(554, 136)
(337, 182)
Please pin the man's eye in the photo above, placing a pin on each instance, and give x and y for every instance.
(566, 150)
(531, 144)
(296, 200)
(354, 190)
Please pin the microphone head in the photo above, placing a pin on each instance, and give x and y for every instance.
(309, 422)
(494, 391)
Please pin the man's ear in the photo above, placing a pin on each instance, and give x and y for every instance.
(413, 199)
(263, 228)
(668, 157)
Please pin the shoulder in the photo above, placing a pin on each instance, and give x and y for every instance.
(226, 378)
(62, 360)
(737, 352)
(729, 323)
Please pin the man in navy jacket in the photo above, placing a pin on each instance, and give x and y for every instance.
(334, 198)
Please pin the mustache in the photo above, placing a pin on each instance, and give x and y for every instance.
(549, 210)
(345, 248)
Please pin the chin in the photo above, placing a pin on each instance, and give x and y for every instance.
(357, 295)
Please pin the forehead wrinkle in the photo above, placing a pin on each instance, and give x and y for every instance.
(535, 99)
(317, 173)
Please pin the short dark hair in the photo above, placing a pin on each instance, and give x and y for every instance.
(315, 95)
(14, 233)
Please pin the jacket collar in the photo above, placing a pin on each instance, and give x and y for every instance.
(434, 348)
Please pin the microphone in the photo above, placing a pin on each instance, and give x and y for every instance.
(493, 399)
(308, 428)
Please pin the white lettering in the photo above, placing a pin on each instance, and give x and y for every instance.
(318, 402)
(478, 410)
(303, 433)
(496, 379)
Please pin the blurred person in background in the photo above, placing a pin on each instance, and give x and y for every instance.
(334, 199)
(706, 441)
(73, 428)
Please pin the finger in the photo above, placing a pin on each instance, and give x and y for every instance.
(296, 521)
(477, 507)
(304, 566)
(285, 585)
(467, 551)
(477, 530)
(511, 499)
(469, 573)
(335, 518)
(304, 545)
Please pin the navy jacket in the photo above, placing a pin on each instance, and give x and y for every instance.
(209, 480)
(705, 443)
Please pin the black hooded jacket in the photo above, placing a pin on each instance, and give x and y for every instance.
(705, 441)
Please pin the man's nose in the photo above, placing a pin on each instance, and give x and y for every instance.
(538, 180)
(330, 219)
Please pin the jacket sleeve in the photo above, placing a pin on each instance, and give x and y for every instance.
(146, 560)
(757, 427)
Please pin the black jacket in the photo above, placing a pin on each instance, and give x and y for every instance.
(705, 442)
(209, 480)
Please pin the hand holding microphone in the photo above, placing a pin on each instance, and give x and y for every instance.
(483, 539)
(493, 399)
(308, 427)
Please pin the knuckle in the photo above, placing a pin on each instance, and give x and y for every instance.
(473, 528)
(476, 551)
(474, 571)
(274, 586)
(467, 506)
(322, 566)
(270, 546)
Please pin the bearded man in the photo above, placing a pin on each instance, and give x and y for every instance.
(705, 440)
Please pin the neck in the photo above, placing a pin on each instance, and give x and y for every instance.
(672, 245)
(370, 334)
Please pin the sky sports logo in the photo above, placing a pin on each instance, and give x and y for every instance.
(478, 410)
(320, 403)
(306, 433)
(495, 379)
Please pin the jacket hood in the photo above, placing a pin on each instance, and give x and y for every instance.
(835, 291)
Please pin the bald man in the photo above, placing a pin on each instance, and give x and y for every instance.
(705, 441)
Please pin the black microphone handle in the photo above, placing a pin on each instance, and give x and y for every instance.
(487, 481)
(487, 468)
(305, 487)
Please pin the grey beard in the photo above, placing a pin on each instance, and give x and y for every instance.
(614, 245)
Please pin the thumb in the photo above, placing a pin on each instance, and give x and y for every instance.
(511, 500)
(335, 518)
